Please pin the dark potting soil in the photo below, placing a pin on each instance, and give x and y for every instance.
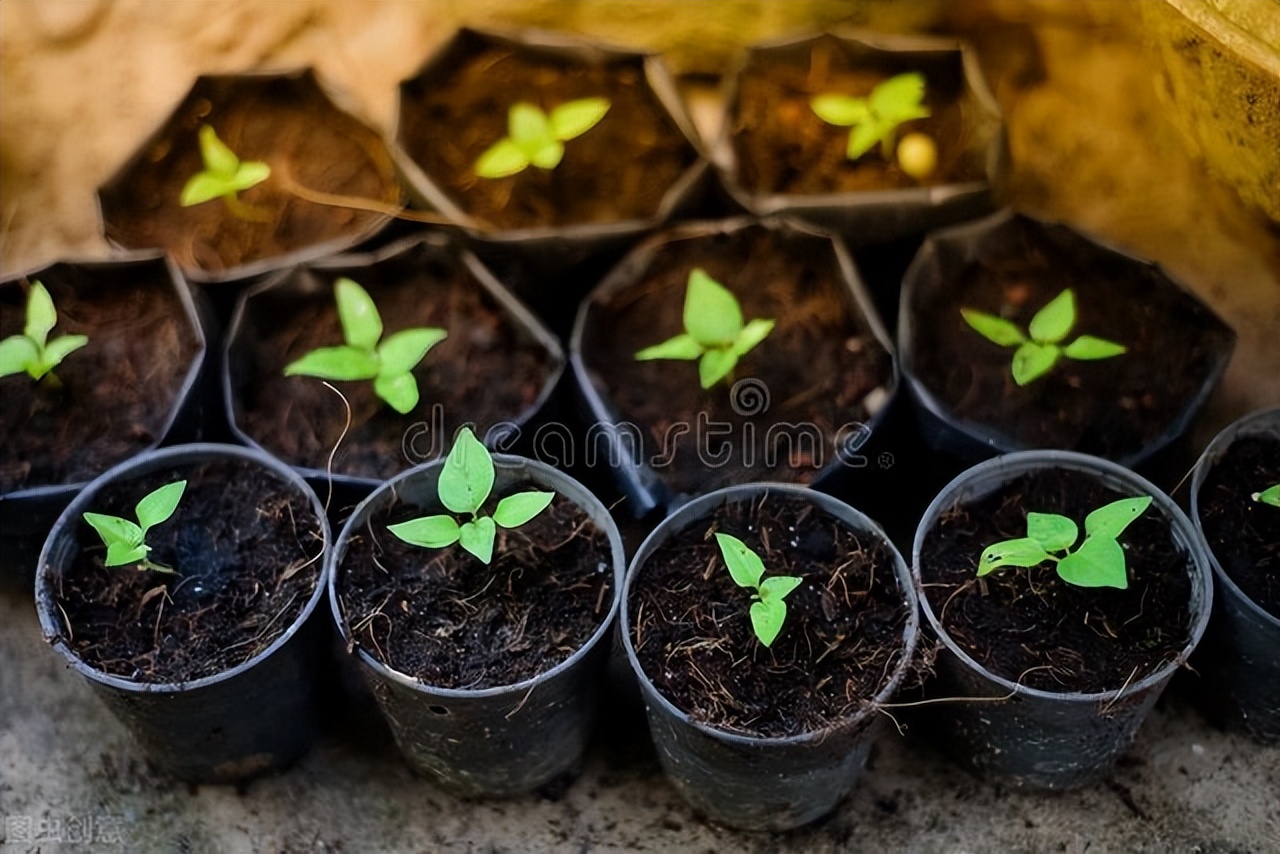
(485, 372)
(841, 641)
(448, 620)
(289, 124)
(116, 392)
(618, 170)
(1245, 534)
(248, 549)
(1031, 627)
(783, 147)
(819, 375)
(1110, 407)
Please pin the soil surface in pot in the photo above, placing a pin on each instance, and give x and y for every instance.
(448, 620)
(820, 370)
(618, 170)
(1111, 408)
(116, 393)
(841, 641)
(247, 547)
(286, 122)
(487, 371)
(782, 146)
(1245, 534)
(1031, 627)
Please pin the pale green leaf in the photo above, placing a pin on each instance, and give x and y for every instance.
(467, 476)
(401, 352)
(120, 553)
(744, 565)
(547, 156)
(575, 118)
(995, 329)
(113, 529)
(361, 324)
(527, 126)
(899, 98)
(711, 313)
(250, 174)
(477, 536)
(400, 391)
(16, 353)
(336, 363)
(202, 187)
(1089, 347)
(1055, 533)
(501, 159)
(515, 510)
(1032, 361)
(1270, 495)
(1099, 562)
(61, 347)
(715, 365)
(219, 159)
(840, 110)
(863, 138)
(778, 587)
(41, 315)
(683, 347)
(752, 334)
(158, 505)
(428, 532)
(767, 619)
(1052, 323)
(1020, 552)
(1111, 519)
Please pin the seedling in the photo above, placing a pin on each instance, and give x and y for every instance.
(1039, 351)
(389, 364)
(714, 332)
(535, 138)
(1270, 495)
(876, 117)
(126, 541)
(32, 351)
(768, 606)
(224, 176)
(1098, 562)
(465, 483)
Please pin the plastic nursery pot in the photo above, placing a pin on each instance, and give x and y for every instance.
(136, 383)
(1127, 408)
(1238, 658)
(479, 735)
(549, 234)
(295, 125)
(212, 670)
(798, 407)
(792, 735)
(776, 156)
(496, 369)
(1050, 687)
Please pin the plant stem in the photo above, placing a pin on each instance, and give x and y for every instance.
(357, 203)
(147, 564)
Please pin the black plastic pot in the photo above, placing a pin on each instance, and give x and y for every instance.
(26, 514)
(875, 216)
(550, 267)
(1027, 736)
(278, 300)
(1240, 656)
(632, 456)
(254, 718)
(490, 742)
(949, 254)
(763, 783)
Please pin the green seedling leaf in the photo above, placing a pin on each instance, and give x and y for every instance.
(715, 366)
(477, 537)
(1053, 532)
(744, 565)
(899, 98)
(224, 174)
(336, 363)
(778, 587)
(361, 323)
(534, 138)
(120, 553)
(1089, 347)
(1020, 552)
(18, 354)
(1270, 495)
(29, 351)
(218, 157)
(1110, 520)
(1033, 360)
(875, 118)
(863, 138)
(159, 505)
(428, 532)
(548, 156)
(113, 529)
(752, 334)
(840, 110)
(467, 477)
(41, 315)
(1052, 323)
(400, 391)
(125, 540)
(574, 118)
(61, 347)
(528, 127)
(515, 510)
(767, 617)
(711, 313)
(994, 329)
(1099, 562)
(682, 347)
(502, 159)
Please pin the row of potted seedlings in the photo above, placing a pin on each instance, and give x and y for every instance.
(767, 625)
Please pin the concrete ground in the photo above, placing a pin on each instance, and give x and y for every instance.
(1090, 146)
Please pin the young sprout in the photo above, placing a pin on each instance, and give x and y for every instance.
(126, 541)
(536, 138)
(876, 117)
(224, 176)
(389, 364)
(714, 332)
(768, 606)
(1270, 495)
(32, 351)
(465, 483)
(1039, 351)
(1098, 562)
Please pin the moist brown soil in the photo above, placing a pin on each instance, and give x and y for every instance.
(1111, 408)
(619, 170)
(1031, 627)
(286, 122)
(448, 620)
(485, 372)
(818, 366)
(783, 147)
(841, 641)
(116, 392)
(247, 547)
(1245, 534)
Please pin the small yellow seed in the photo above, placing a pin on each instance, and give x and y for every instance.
(917, 155)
